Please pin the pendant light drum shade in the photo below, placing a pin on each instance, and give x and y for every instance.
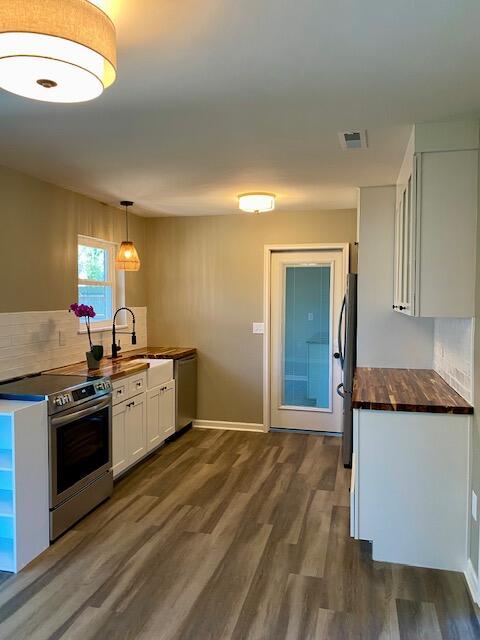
(56, 51)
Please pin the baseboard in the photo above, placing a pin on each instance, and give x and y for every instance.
(472, 582)
(228, 426)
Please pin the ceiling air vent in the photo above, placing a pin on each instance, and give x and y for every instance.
(353, 139)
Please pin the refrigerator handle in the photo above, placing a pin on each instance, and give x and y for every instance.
(340, 353)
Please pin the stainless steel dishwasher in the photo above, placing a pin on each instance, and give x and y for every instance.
(185, 374)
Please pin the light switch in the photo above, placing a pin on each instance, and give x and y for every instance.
(474, 506)
(310, 316)
(259, 327)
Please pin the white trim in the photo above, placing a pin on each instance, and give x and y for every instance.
(228, 426)
(472, 582)
(116, 281)
(102, 329)
(269, 249)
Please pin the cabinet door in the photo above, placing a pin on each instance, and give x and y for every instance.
(155, 434)
(136, 428)
(167, 410)
(405, 248)
(119, 439)
(398, 264)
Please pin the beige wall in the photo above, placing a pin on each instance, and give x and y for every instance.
(205, 288)
(39, 225)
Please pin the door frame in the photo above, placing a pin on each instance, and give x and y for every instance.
(269, 249)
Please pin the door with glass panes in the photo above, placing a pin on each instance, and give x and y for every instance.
(307, 290)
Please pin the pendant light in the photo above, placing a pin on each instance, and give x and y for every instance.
(56, 51)
(127, 256)
(256, 202)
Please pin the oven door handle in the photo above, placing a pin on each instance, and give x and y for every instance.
(71, 416)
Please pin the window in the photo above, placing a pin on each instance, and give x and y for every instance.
(98, 283)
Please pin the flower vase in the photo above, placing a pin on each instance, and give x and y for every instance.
(94, 357)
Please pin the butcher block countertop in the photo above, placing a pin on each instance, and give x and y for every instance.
(108, 369)
(420, 390)
(123, 366)
(170, 353)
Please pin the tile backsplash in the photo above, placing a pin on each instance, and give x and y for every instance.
(453, 353)
(40, 340)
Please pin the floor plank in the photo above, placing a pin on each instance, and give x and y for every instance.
(230, 536)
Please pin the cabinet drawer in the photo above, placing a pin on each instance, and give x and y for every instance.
(120, 391)
(137, 384)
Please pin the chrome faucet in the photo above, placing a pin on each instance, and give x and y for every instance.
(116, 347)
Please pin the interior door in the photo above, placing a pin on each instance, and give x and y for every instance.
(307, 290)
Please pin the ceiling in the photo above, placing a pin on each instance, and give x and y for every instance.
(220, 97)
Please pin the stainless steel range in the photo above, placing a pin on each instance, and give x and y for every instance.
(80, 441)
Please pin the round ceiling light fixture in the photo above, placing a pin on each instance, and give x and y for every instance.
(56, 51)
(256, 202)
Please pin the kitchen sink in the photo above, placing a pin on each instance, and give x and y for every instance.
(160, 371)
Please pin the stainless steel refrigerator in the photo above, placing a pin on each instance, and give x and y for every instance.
(347, 354)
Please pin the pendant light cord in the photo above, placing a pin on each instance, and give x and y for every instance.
(126, 218)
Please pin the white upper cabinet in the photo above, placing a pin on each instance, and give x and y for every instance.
(435, 222)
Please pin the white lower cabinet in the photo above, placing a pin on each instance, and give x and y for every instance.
(160, 414)
(129, 433)
(119, 439)
(129, 422)
(136, 428)
(141, 420)
(410, 486)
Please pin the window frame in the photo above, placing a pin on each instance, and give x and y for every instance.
(116, 280)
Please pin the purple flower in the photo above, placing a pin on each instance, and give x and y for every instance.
(84, 311)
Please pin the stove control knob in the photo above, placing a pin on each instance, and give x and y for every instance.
(66, 399)
(58, 402)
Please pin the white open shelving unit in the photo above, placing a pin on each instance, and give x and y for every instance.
(24, 512)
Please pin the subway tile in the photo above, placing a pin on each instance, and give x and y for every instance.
(29, 342)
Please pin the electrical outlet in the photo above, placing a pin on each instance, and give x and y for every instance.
(62, 341)
(310, 316)
(474, 506)
(258, 327)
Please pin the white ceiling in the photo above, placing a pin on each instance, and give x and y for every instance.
(219, 97)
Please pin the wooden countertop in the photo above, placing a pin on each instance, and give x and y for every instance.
(173, 353)
(108, 369)
(123, 366)
(420, 390)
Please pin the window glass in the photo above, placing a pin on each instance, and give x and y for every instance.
(92, 263)
(96, 277)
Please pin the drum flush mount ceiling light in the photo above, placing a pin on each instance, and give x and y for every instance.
(56, 51)
(256, 202)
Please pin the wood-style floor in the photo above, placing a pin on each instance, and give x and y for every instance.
(229, 535)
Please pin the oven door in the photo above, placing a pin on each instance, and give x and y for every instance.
(80, 448)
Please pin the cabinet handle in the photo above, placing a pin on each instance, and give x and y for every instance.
(394, 306)
(402, 308)
(139, 384)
